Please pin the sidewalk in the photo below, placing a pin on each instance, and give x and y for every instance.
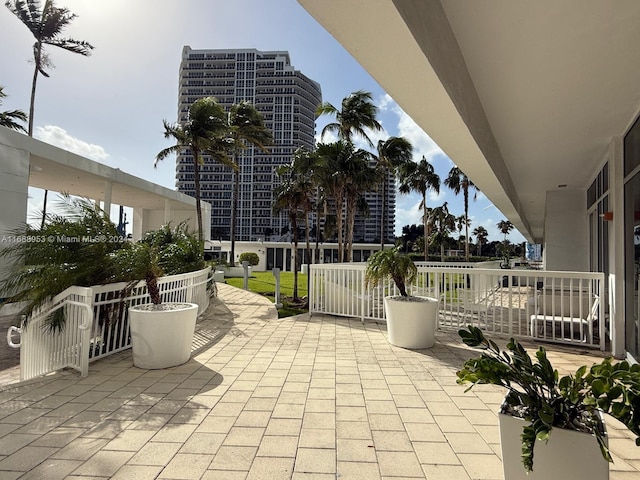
(299, 398)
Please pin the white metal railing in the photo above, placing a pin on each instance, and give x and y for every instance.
(563, 307)
(96, 322)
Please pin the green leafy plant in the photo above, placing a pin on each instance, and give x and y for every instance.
(537, 394)
(393, 264)
(250, 257)
(166, 251)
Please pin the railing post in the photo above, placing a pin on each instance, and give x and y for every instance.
(276, 274)
(245, 266)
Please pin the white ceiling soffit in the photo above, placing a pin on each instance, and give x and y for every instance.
(56, 169)
(522, 96)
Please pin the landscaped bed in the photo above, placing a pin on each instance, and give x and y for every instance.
(264, 283)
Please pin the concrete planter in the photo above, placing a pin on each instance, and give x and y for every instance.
(233, 272)
(569, 455)
(411, 321)
(162, 338)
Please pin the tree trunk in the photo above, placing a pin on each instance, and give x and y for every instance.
(296, 266)
(384, 210)
(196, 177)
(37, 60)
(339, 201)
(44, 209)
(425, 220)
(234, 211)
(466, 221)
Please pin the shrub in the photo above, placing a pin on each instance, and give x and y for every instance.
(250, 257)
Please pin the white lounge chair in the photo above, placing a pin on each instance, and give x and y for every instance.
(565, 314)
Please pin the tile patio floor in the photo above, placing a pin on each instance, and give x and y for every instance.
(298, 398)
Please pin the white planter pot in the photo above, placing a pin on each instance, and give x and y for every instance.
(411, 321)
(568, 455)
(162, 338)
(234, 272)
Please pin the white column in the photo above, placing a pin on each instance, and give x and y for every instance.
(167, 211)
(617, 247)
(107, 198)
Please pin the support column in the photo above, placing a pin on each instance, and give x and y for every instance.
(108, 186)
(617, 248)
(167, 211)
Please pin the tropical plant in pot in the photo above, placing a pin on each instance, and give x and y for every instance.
(411, 320)
(551, 415)
(161, 333)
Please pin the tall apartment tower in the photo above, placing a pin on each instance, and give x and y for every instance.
(286, 98)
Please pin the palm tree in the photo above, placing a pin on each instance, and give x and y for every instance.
(481, 235)
(344, 175)
(443, 223)
(9, 117)
(459, 182)
(333, 185)
(358, 112)
(292, 195)
(505, 226)
(420, 177)
(202, 133)
(360, 177)
(311, 166)
(246, 126)
(46, 25)
(393, 153)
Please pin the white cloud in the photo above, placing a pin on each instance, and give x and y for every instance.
(408, 212)
(60, 138)
(407, 128)
(435, 197)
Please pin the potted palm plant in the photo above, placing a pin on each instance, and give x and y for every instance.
(558, 419)
(161, 333)
(411, 320)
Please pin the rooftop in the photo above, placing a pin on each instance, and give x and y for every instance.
(267, 398)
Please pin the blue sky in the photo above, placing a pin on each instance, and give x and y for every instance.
(109, 107)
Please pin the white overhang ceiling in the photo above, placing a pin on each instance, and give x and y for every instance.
(522, 96)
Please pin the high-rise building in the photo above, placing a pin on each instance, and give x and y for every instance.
(286, 98)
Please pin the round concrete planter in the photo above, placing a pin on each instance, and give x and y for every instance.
(568, 454)
(162, 338)
(235, 272)
(411, 321)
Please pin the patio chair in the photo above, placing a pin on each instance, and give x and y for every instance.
(565, 314)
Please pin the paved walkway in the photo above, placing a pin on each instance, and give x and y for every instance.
(298, 398)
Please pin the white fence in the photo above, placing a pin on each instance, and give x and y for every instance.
(96, 322)
(564, 307)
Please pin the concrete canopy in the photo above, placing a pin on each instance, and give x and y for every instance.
(523, 96)
(53, 168)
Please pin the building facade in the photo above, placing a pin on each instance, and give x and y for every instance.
(287, 100)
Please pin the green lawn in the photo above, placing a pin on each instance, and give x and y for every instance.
(264, 283)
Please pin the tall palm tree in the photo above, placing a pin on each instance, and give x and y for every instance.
(204, 134)
(361, 177)
(345, 175)
(46, 25)
(392, 154)
(10, 118)
(444, 223)
(292, 195)
(420, 177)
(357, 113)
(246, 126)
(481, 235)
(458, 181)
(310, 166)
(505, 226)
(333, 185)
